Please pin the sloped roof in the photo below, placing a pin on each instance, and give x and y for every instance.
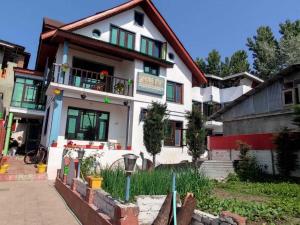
(155, 17)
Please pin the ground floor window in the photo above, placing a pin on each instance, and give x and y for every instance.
(173, 133)
(85, 124)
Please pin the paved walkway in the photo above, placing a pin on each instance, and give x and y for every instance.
(33, 203)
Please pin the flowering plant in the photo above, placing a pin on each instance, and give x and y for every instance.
(103, 73)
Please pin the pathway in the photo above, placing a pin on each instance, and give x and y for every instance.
(33, 203)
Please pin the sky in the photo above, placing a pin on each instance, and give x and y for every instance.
(201, 25)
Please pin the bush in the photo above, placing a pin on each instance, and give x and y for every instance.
(247, 167)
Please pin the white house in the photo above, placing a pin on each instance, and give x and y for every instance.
(220, 91)
(102, 73)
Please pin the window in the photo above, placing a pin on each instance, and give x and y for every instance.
(153, 48)
(139, 18)
(171, 56)
(151, 69)
(122, 37)
(83, 124)
(173, 134)
(288, 97)
(210, 108)
(96, 33)
(174, 92)
(143, 114)
(290, 93)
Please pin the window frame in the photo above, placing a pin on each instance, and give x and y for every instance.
(140, 14)
(151, 65)
(172, 141)
(293, 96)
(175, 85)
(125, 39)
(78, 124)
(161, 56)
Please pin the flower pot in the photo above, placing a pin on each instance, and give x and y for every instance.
(66, 170)
(95, 182)
(88, 146)
(128, 148)
(119, 147)
(4, 168)
(54, 145)
(101, 147)
(41, 168)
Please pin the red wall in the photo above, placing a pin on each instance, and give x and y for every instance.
(256, 141)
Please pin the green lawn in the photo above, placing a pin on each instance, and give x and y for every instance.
(274, 203)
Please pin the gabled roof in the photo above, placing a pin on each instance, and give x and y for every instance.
(289, 70)
(155, 17)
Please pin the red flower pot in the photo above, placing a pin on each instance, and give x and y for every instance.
(88, 146)
(100, 147)
(54, 145)
(119, 147)
(129, 148)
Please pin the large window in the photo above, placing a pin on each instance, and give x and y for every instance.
(151, 69)
(122, 37)
(174, 92)
(173, 133)
(83, 124)
(28, 93)
(153, 48)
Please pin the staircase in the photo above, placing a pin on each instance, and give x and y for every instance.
(19, 171)
(218, 170)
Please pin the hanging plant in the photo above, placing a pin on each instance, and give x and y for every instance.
(119, 87)
(107, 100)
(103, 73)
(65, 67)
(129, 82)
(56, 91)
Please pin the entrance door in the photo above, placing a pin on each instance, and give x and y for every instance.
(33, 137)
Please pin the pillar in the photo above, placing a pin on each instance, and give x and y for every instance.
(56, 118)
(8, 133)
(64, 74)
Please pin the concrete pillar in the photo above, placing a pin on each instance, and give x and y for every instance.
(56, 118)
(8, 133)
(65, 74)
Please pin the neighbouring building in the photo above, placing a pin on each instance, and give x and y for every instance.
(103, 71)
(257, 116)
(219, 92)
(11, 56)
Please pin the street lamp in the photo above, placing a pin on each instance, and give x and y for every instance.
(80, 157)
(129, 161)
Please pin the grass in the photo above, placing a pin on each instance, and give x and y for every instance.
(263, 202)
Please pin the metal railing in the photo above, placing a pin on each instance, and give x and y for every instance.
(28, 105)
(90, 80)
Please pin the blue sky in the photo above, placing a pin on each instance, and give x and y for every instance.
(201, 25)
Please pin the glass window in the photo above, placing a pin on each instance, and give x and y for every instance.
(173, 133)
(122, 37)
(151, 69)
(288, 97)
(153, 48)
(139, 18)
(174, 92)
(83, 124)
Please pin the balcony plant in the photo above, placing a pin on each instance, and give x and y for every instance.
(65, 67)
(101, 146)
(103, 74)
(54, 144)
(119, 88)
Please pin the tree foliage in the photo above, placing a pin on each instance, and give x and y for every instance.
(265, 52)
(239, 62)
(154, 127)
(195, 133)
(286, 148)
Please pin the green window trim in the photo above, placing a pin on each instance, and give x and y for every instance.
(174, 92)
(85, 124)
(122, 37)
(153, 48)
(151, 68)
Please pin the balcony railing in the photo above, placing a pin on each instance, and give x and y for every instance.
(90, 80)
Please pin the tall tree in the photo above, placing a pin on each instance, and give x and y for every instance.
(239, 62)
(265, 52)
(201, 64)
(289, 43)
(154, 127)
(225, 67)
(195, 133)
(213, 62)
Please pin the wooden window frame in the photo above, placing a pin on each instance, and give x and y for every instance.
(175, 93)
(77, 125)
(126, 37)
(151, 65)
(153, 45)
(171, 142)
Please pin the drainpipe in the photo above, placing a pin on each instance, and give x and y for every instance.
(8, 133)
(127, 125)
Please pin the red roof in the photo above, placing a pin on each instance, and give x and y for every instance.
(28, 72)
(155, 17)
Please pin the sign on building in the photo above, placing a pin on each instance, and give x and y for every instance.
(150, 84)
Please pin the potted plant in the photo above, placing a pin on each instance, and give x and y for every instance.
(101, 146)
(118, 146)
(119, 88)
(54, 144)
(129, 147)
(41, 168)
(103, 73)
(95, 181)
(65, 67)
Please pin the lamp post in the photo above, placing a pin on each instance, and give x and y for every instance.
(129, 161)
(80, 157)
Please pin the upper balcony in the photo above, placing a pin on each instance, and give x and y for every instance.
(100, 81)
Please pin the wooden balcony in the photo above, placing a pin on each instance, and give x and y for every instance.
(90, 80)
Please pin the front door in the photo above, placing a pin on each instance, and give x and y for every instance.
(33, 137)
